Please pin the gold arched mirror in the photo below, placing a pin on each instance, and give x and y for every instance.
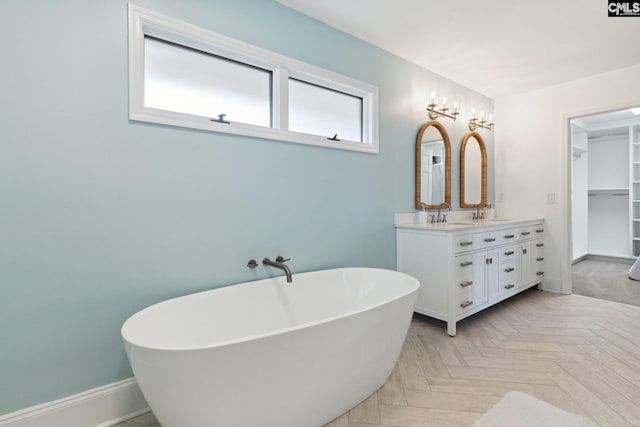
(473, 171)
(433, 166)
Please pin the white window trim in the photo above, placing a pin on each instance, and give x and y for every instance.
(145, 22)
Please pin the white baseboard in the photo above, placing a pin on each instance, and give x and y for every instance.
(551, 285)
(100, 407)
(611, 258)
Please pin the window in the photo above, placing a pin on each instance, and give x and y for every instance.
(183, 75)
(320, 111)
(189, 81)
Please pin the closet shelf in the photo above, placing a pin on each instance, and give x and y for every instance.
(609, 191)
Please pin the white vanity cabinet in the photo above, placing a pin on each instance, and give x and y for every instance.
(465, 268)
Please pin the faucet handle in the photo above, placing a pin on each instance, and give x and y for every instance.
(444, 217)
(280, 258)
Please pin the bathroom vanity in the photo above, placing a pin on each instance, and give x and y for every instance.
(466, 266)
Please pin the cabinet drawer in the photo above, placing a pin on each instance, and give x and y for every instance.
(464, 302)
(538, 269)
(510, 235)
(465, 286)
(524, 233)
(539, 259)
(463, 268)
(488, 239)
(538, 231)
(538, 248)
(507, 254)
(463, 243)
(508, 286)
(507, 272)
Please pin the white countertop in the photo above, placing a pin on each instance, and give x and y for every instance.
(457, 222)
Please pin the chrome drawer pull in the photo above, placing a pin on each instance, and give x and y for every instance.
(467, 283)
(509, 236)
(540, 258)
(510, 286)
(525, 233)
(539, 230)
(509, 253)
(490, 239)
(466, 243)
(539, 245)
(509, 270)
(466, 304)
(466, 263)
(540, 273)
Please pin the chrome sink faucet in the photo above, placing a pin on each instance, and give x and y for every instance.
(280, 263)
(477, 215)
(443, 217)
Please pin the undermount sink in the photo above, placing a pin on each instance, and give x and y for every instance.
(458, 223)
(498, 219)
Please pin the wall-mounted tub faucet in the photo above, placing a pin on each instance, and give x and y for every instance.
(279, 263)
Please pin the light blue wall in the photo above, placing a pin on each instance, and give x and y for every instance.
(100, 216)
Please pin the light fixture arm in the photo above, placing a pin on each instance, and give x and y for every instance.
(434, 113)
(480, 123)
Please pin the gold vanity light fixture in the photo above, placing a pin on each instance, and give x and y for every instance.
(480, 122)
(435, 113)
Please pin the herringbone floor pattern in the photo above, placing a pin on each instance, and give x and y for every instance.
(577, 353)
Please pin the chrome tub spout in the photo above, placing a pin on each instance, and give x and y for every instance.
(280, 263)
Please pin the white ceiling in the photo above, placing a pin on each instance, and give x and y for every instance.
(496, 47)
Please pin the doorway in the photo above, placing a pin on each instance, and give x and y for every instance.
(605, 204)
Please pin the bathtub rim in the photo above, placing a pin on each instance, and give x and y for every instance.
(279, 281)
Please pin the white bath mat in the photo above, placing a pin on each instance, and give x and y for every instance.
(522, 410)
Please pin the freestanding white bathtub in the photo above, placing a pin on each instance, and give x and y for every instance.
(269, 353)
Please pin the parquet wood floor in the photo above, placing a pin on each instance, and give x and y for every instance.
(578, 353)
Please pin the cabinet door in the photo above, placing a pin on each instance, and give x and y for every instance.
(490, 262)
(523, 264)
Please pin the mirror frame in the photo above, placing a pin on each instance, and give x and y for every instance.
(447, 165)
(483, 152)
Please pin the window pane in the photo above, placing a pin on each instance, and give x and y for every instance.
(188, 81)
(321, 111)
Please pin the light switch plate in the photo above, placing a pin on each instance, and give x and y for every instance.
(551, 198)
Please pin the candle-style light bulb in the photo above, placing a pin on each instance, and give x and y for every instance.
(473, 113)
(490, 117)
(455, 106)
(433, 97)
